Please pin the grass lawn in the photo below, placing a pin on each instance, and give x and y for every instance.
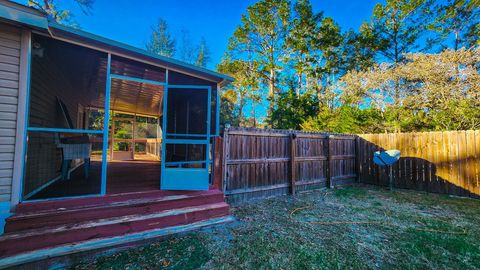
(355, 228)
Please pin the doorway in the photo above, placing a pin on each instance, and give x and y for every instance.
(135, 135)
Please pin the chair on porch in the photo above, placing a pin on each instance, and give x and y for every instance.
(76, 147)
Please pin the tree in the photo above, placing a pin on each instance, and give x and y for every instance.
(228, 109)
(186, 50)
(203, 53)
(62, 16)
(396, 28)
(358, 49)
(301, 40)
(329, 63)
(448, 87)
(245, 86)
(346, 119)
(292, 110)
(161, 42)
(458, 19)
(444, 91)
(261, 35)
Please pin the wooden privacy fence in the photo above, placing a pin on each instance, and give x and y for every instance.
(261, 163)
(439, 162)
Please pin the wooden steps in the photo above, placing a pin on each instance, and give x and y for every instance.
(47, 225)
(27, 219)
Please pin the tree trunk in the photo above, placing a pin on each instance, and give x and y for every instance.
(299, 83)
(271, 91)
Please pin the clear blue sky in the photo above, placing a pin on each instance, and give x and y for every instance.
(130, 21)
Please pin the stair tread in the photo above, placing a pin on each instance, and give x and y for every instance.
(131, 202)
(105, 242)
(109, 221)
(54, 205)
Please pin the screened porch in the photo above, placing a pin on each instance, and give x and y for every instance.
(95, 123)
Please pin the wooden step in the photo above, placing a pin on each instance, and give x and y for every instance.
(59, 256)
(47, 205)
(77, 214)
(29, 240)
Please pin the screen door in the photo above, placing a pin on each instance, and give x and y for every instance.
(186, 138)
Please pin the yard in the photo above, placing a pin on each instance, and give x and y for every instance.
(359, 227)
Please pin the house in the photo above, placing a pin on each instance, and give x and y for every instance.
(101, 144)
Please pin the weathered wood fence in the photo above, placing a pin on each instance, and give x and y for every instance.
(262, 163)
(439, 162)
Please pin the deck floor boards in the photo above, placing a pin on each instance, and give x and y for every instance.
(122, 177)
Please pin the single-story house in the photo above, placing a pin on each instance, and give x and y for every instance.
(101, 143)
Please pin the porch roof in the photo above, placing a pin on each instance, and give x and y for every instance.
(33, 18)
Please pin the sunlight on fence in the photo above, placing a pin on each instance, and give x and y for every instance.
(441, 162)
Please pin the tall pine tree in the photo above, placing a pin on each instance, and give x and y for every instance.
(161, 42)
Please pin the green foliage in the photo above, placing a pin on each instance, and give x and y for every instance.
(292, 110)
(456, 20)
(244, 89)
(62, 16)
(346, 119)
(203, 53)
(396, 27)
(261, 37)
(443, 91)
(161, 42)
(229, 111)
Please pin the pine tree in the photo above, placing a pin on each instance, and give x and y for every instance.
(203, 54)
(456, 20)
(161, 42)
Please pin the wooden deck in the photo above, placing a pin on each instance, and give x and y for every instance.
(122, 177)
(133, 176)
(62, 227)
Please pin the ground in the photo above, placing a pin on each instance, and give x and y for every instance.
(359, 227)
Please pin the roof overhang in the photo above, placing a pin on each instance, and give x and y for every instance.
(16, 13)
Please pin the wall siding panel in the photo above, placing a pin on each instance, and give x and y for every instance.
(9, 80)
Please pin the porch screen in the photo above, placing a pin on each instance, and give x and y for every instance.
(65, 120)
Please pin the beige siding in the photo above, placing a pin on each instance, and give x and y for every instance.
(9, 80)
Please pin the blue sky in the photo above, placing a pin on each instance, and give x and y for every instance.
(130, 21)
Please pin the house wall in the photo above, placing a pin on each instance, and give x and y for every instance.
(9, 78)
(10, 51)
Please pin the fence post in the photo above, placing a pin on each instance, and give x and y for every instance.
(218, 162)
(293, 143)
(328, 170)
(226, 151)
(357, 157)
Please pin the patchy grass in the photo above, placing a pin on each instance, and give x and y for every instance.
(354, 228)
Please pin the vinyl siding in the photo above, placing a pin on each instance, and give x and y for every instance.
(9, 81)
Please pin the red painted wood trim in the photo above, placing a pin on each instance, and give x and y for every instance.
(52, 238)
